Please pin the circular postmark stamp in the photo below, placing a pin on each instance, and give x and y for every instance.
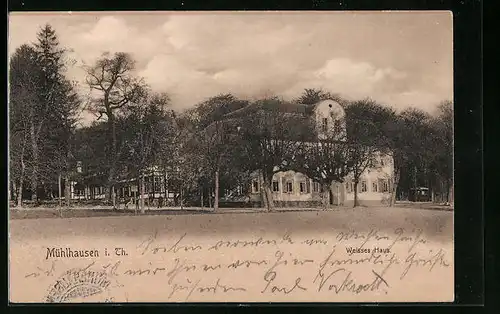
(81, 285)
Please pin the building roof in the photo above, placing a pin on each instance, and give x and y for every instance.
(230, 120)
(293, 108)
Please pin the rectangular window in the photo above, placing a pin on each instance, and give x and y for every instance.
(374, 187)
(363, 186)
(255, 187)
(276, 186)
(324, 126)
(383, 185)
(308, 186)
(302, 187)
(315, 187)
(289, 187)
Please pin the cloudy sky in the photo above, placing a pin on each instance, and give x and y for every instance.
(399, 58)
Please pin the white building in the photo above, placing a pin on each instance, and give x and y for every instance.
(292, 188)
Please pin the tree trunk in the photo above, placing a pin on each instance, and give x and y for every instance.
(263, 197)
(395, 187)
(216, 200)
(67, 190)
(356, 202)
(210, 198)
(267, 178)
(113, 195)
(13, 190)
(165, 183)
(415, 178)
(20, 190)
(335, 193)
(113, 154)
(134, 203)
(142, 194)
(108, 191)
(262, 191)
(269, 197)
(34, 174)
(449, 192)
(59, 182)
(182, 197)
(23, 171)
(201, 196)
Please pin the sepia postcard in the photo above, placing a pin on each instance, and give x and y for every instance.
(230, 157)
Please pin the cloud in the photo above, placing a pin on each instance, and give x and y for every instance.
(194, 56)
(108, 30)
(356, 78)
(114, 34)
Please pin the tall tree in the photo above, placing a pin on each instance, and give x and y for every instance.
(24, 75)
(269, 137)
(411, 147)
(213, 139)
(182, 162)
(61, 104)
(48, 107)
(325, 157)
(145, 126)
(115, 86)
(367, 122)
(440, 146)
(444, 126)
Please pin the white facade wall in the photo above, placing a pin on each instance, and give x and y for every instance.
(377, 180)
